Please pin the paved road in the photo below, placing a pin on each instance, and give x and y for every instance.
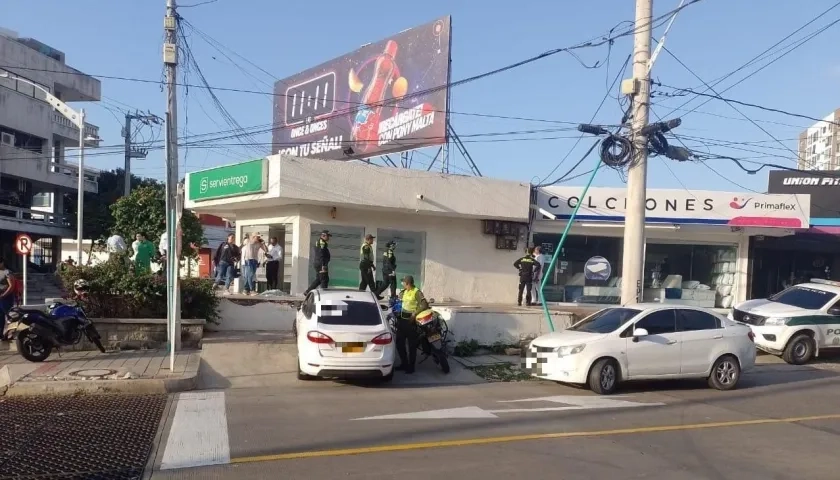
(783, 423)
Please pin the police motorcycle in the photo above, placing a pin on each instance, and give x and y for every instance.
(37, 333)
(432, 330)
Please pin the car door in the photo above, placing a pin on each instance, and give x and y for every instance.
(658, 353)
(304, 315)
(700, 333)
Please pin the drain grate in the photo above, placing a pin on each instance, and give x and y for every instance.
(93, 437)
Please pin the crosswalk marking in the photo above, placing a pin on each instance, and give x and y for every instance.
(199, 432)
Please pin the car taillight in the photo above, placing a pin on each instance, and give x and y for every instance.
(751, 335)
(318, 337)
(383, 339)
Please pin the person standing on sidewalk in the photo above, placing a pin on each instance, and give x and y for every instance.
(272, 264)
(225, 260)
(527, 267)
(367, 265)
(389, 269)
(144, 250)
(7, 289)
(542, 261)
(250, 261)
(413, 302)
(321, 263)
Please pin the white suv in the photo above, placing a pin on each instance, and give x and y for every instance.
(796, 322)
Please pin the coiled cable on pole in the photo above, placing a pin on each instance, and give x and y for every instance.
(616, 151)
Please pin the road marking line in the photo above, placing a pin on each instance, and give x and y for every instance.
(519, 438)
(199, 432)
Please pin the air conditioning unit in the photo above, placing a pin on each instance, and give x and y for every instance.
(7, 139)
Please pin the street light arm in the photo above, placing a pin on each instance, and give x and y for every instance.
(57, 104)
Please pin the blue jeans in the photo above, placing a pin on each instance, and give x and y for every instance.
(224, 270)
(249, 275)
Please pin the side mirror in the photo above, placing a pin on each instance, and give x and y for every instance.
(639, 333)
(384, 307)
(431, 301)
(834, 311)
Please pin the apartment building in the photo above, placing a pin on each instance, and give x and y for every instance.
(39, 147)
(819, 145)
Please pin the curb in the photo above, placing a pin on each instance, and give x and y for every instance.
(101, 387)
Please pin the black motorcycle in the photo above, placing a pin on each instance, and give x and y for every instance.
(433, 333)
(36, 333)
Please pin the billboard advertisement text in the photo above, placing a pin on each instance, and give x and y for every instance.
(386, 97)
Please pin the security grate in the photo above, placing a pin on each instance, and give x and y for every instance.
(83, 437)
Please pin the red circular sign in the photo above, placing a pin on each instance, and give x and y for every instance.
(23, 244)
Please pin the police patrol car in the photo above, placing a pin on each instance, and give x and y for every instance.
(795, 323)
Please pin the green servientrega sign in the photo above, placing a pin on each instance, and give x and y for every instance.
(228, 181)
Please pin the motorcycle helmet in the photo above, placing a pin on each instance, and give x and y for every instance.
(80, 286)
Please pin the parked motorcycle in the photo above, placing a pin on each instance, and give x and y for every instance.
(37, 333)
(432, 330)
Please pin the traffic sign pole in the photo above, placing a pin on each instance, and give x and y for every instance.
(23, 247)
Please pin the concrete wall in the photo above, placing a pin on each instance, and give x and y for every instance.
(342, 184)
(485, 325)
(461, 263)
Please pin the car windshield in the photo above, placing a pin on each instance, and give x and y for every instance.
(605, 321)
(349, 312)
(803, 297)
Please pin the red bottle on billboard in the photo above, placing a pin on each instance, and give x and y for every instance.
(366, 125)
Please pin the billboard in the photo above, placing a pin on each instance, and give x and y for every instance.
(386, 97)
(822, 186)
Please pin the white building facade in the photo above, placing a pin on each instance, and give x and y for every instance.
(35, 143)
(437, 221)
(819, 145)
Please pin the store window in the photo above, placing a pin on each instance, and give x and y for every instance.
(588, 269)
(345, 245)
(696, 275)
(410, 253)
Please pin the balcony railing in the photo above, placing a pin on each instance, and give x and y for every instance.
(33, 217)
(90, 129)
(72, 170)
(40, 167)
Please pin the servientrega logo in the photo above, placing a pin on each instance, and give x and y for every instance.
(202, 186)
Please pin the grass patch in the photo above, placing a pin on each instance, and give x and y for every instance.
(503, 372)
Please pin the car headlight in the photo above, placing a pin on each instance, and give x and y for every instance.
(776, 321)
(569, 350)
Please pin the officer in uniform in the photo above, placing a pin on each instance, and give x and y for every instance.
(413, 302)
(389, 269)
(367, 265)
(321, 262)
(528, 268)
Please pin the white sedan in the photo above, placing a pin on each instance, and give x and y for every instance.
(644, 342)
(343, 334)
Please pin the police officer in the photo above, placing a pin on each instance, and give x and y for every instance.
(389, 269)
(321, 262)
(413, 302)
(528, 268)
(367, 265)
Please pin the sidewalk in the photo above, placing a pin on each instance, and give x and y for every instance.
(135, 372)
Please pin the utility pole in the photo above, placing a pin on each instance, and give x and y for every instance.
(80, 198)
(131, 152)
(170, 60)
(634, 222)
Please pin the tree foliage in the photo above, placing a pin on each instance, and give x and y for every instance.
(98, 220)
(144, 211)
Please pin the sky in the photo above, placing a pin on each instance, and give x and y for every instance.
(713, 37)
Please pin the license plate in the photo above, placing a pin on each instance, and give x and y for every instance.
(433, 338)
(353, 348)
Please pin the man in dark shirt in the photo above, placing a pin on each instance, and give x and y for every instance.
(367, 265)
(226, 257)
(528, 268)
(389, 269)
(321, 263)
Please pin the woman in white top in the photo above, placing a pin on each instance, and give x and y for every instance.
(272, 263)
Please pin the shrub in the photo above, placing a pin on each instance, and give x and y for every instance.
(116, 291)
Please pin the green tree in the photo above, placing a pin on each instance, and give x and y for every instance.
(144, 211)
(99, 222)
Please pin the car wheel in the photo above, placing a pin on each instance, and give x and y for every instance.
(300, 374)
(799, 350)
(725, 373)
(603, 377)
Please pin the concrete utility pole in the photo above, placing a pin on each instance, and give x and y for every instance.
(634, 222)
(80, 199)
(170, 60)
(131, 152)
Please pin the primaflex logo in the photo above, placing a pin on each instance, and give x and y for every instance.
(738, 203)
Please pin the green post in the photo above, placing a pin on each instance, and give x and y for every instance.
(559, 247)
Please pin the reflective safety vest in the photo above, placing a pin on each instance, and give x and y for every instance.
(409, 300)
